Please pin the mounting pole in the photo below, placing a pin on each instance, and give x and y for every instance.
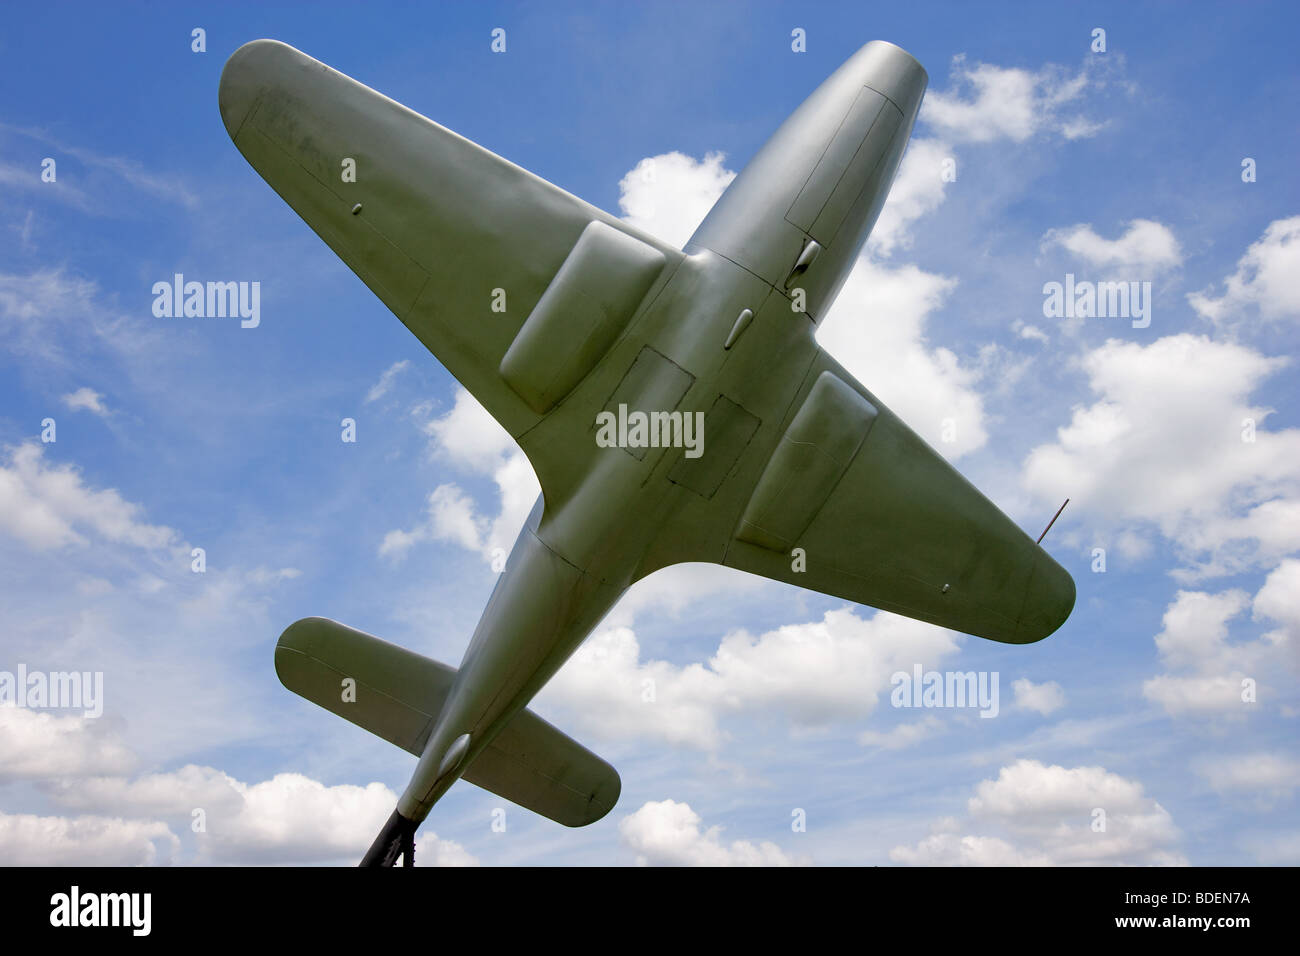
(408, 848)
(1052, 522)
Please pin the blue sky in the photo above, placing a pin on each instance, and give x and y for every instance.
(173, 434)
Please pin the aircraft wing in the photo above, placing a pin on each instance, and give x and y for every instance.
(459, 243)
(883, 520)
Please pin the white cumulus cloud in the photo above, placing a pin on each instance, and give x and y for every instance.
(49, 506)
(1174, 443)
(27, 839)
(816, 674)
(1044, 698)
(1144, 250)
(667, 833)
(470, 439)
(37, 744)
(1205, 671)
(988, 102)
(669, 195)
(876, 330)
(1267, 279)
(1039, 815)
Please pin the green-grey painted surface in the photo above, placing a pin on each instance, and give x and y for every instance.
(797, 456)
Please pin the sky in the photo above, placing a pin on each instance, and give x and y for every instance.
(1158, 726)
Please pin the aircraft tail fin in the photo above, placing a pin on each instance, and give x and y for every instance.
(397, 694)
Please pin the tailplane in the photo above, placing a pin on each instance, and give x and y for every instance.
(397, 694)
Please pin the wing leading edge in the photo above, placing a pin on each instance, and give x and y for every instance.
(459, 243)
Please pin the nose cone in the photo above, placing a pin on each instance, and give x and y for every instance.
(1049, 599)
(892, 71)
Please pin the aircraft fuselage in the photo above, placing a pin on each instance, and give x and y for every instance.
(755, 252)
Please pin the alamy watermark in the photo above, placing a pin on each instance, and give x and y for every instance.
(66, 690)
(946, 689)
(1098, 300)
(210, 300)
(133, 911)
(638, 429)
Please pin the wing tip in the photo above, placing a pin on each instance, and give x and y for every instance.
(243, 77)
(602, 800)
(1049, 600)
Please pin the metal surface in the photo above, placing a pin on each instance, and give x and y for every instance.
(802, 476)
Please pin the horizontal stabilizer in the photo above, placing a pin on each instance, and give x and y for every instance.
(398, 695)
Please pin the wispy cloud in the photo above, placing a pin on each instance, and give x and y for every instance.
(386, 380)
(168, 187)
(86, 399)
